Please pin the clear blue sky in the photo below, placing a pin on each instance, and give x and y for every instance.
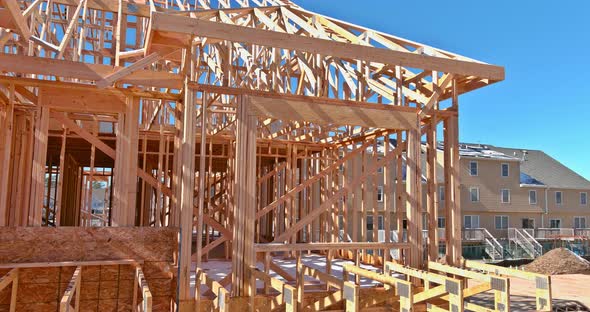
(544, 103)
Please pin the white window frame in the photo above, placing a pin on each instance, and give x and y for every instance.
(379, 169)
(502, 217)
(502, 196)
(583, 195)
(533, 192)
(380, 192)
(380, 222)
(471, 218)
(580, 218)
(560, 198)
(476, 168)
(555, 219)
(507, 170)
(372, 223)
(444, 222)
(471, 195)
(441, 193)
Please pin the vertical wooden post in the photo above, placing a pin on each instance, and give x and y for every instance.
(431, 208)
(452, 195)
(243, 257)
(413, 193)
(202, 188)
(186, 200)
(60, 177)
(39, 162)
(7, 118)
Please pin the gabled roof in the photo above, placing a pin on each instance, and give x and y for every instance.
(538, 167)
(483, 151)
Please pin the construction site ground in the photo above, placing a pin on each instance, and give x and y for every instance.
(571, 292)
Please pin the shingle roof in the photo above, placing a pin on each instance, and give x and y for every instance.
(480, 151)
(539, 167)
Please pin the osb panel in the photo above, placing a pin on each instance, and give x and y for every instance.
(108, 289)
(44, 244)
(108, 305)
(125, 289)
(157, 269)
(5, 295)
(161, 304)
(126, 272)
(38, 275)
(160, 287)
(89, 306)
(37, 293)
(125, 304)
(37, 307)
(109, 272)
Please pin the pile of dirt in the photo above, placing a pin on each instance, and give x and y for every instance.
(559, 261)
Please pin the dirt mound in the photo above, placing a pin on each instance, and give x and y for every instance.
(559, 261)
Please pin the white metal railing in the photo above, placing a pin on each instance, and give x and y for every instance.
(491, 245)
(582, 232)
(531, 238)
(525, 241)
(547, 233)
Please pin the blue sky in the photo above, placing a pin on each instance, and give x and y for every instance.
(544, 103)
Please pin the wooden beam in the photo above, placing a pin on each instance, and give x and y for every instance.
(95, 72)
(168, 23)
(126, 71)
(371, 116)
(18, 19)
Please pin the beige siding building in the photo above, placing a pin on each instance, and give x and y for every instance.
(502, 190)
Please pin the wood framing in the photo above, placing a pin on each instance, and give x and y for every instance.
(152, 137)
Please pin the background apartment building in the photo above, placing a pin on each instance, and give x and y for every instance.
(515, 198)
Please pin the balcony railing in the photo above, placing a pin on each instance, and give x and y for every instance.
(549, 233)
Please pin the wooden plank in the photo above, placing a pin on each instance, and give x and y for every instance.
(167, 23)
(72, 289)
(126, 71)
(82, 100)
(271, 247)
(19, 21)
(371, 116)
(68, 69)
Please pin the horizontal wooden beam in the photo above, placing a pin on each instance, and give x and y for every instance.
(271, 247)
(316, 111)
(163, 24)
(82, 100)
(94, 72)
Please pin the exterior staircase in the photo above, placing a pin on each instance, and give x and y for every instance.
(526, 241)
(493, 248)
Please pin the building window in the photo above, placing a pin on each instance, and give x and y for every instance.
(505, 170)
(501, 222)
(471, 222)
(340, 222)
(505, 196)
(579, 222)
(533, 197)
(442, 223)
(555, 223)
(474, 194)
(380, 194)
(380, 223)
(583, 198)
(379, 169)
(369, 223)
(558, 198)
(528, 223)
(473, 168)
(441, 193)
